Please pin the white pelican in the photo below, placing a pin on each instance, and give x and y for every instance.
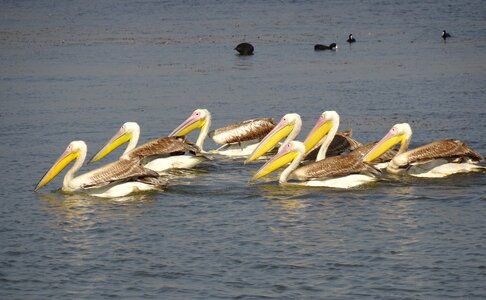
(158, 154)
(437, 159)
(237, 139)
(116, 179)
(324, 135)
(290, 126)
(343, 171)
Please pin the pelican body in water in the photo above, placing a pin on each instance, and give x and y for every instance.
(290, 126)
(343, 171)
(437, 159)
(116, 179)
(158, 154)
(236, 139)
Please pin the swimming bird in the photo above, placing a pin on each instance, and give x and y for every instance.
(322, 137)
(351, 39)
(445, 35)
(437, 159)
(159, 154)
(245, 49)
(237, 139)
(116, 179)
(343, 171)
(319, 47)
(289, 127)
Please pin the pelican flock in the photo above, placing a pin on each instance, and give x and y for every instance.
(342, 171)
(289, 127)
(326, 157)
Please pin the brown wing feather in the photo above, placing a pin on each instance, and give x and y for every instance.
(446, 149)
(118, 171)
(348, 132)
(342, 143)
(164, 146)
(158, 182)
(334, 166)
(244, 131)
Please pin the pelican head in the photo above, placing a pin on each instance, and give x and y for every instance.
(327, 120)
(129, 132)
(198, 119)
(286, 155)
(289, 126)
(398, 134)
(74, 150)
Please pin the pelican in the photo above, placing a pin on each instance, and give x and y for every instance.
(158, 155)
(236, 139)
(437, 159)
(316, 143)
(116, 179)
(324, 135)
(324, 139)
(343, 171)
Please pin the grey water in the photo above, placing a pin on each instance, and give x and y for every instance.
(77, 70)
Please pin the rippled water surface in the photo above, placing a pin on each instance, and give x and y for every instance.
(78, 70)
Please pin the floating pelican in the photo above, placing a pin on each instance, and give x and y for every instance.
(325, 137)
(158, 155)
(290, 126)
(116, 179)
(324, 134)
(237, 139)
(343, 171)
(437, 159)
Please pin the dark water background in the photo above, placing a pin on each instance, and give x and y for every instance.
(79, 69)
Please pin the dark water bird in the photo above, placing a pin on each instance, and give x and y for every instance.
(245, 49)
(319, 47)
(445, 35)
(351, 39)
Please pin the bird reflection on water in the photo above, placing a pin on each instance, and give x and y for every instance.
(74, 207)
(289, 198)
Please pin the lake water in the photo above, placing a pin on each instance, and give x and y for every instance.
(74, 70)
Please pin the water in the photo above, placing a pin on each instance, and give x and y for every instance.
(77, 70)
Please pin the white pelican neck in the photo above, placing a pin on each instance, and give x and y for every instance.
(328, 138)
(68, 178)
(204, 131)
(284, 176)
